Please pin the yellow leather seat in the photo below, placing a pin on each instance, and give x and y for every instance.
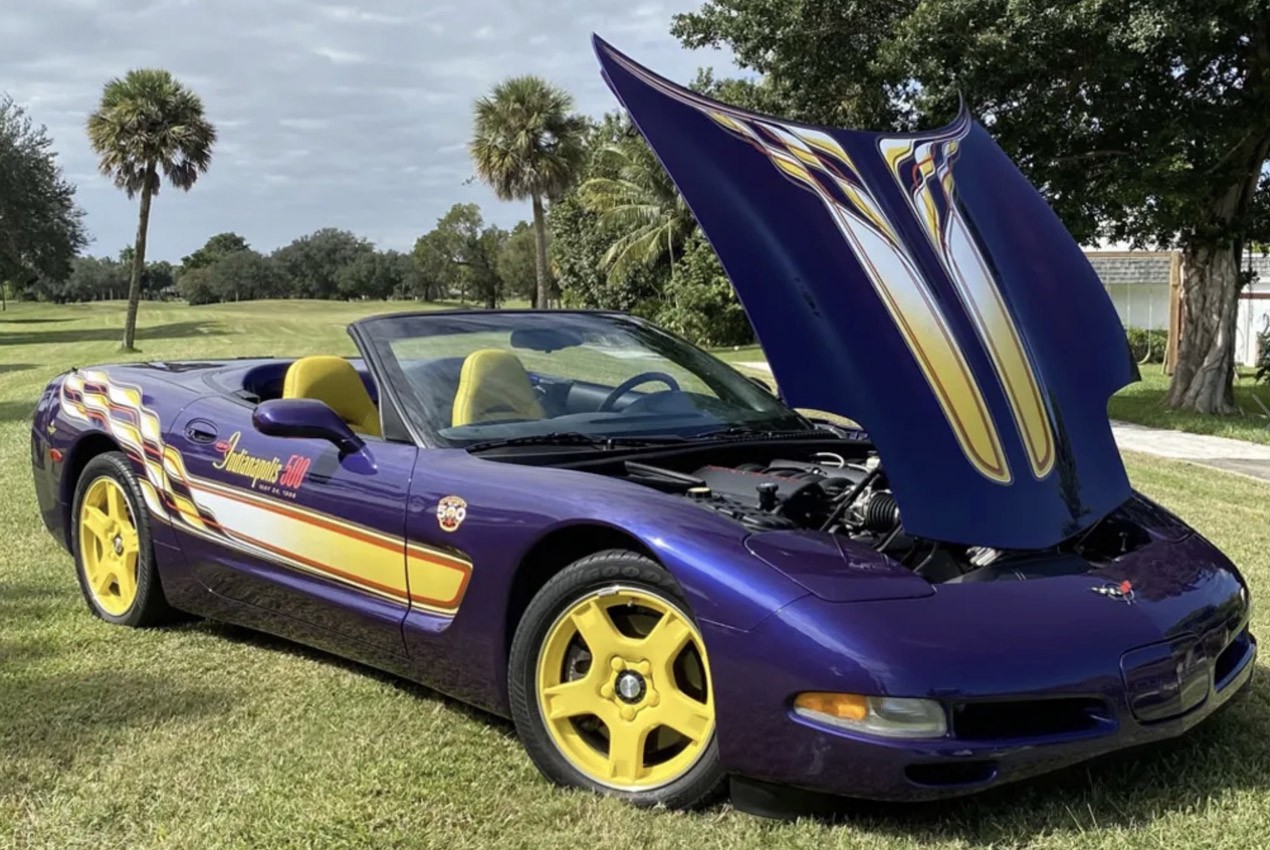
(494, 385)
(334, 380)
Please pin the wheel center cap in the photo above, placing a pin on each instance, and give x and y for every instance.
(630, 686)
(118, 545)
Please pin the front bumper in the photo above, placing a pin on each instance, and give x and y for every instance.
(828, 760)
(1022, 701)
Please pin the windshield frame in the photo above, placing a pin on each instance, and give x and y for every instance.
(375, 336)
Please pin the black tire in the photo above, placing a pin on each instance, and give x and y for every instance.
(149, 607)
(700, 784)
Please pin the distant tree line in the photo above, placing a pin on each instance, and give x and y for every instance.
(462, 258)
(41, 228)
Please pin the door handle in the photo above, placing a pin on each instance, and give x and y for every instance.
(200, 431)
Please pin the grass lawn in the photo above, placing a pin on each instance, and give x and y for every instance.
(212, 736)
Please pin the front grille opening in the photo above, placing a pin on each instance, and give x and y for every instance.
(1230, 659)
(1027, 718)
(952, 773)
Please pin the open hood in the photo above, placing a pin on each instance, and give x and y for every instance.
(919, 285)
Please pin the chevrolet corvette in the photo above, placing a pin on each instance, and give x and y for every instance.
(669, 576)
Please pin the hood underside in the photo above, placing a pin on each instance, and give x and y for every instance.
(919, 285)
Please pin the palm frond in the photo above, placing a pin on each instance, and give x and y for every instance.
(640, 205)
(525, 140)
(148, 123)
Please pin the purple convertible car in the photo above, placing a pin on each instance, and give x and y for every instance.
(668, 576)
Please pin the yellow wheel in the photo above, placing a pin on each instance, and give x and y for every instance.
(619, 682)
(108, 545)
(113, 553)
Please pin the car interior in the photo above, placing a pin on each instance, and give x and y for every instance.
(487, 385)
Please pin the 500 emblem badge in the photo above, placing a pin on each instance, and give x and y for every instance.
(451, 511)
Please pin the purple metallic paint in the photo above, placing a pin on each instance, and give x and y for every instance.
(764, 603)
(845, 572)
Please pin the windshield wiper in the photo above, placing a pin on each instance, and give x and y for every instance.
(574, 438)
(750, 432)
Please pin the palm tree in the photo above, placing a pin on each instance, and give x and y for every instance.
(527, 143)
(640, 205)
(149, 123)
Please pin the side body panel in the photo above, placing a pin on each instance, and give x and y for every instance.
(289, 526)
(508, 508)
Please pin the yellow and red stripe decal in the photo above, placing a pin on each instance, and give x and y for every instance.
(381, 565)
(816, 161)
(931, 195)
(319, 543)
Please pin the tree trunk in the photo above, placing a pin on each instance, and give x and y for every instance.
(138, 261)
(1210, 301)
(540, 251)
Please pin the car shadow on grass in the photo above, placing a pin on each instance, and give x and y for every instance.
(77, 716)
(172, 330)
(22, 602)
(242, 634)
(1129, 789)
(68, 715)
(16, 411)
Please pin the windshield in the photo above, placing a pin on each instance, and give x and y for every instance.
(469, 378)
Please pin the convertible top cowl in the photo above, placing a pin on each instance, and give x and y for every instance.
(921, 286)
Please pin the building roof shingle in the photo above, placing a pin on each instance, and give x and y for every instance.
(1152, 267)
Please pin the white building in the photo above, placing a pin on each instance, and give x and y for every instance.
(1254, 311)
(1139, 285)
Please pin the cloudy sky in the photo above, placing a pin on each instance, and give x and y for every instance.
(330, 112)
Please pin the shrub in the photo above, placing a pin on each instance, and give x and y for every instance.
(1263, 356)
(1147, 345)
(698, 301)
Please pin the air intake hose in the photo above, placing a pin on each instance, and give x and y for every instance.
(881, 512)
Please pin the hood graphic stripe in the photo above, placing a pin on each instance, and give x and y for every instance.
(931, 195)
(811, 159)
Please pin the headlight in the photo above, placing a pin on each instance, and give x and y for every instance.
(888, 717)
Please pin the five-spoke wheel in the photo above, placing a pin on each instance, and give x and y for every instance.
(611, 683)
(108, 545)
(113, 554)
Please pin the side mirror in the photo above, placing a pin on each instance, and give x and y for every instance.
(305, 417)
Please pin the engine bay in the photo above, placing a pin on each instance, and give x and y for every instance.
(846, 493)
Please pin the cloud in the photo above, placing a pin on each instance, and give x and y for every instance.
(345, 114)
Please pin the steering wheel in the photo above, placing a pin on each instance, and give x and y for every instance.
(631, 383)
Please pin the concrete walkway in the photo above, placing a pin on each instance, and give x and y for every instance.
(1228, 455)
(1222, 453)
